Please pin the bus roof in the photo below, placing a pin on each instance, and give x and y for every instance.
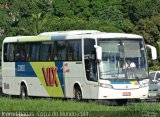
(64, 33)
(75, 34)
(115, 35)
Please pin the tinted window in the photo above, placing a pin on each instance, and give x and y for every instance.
(89, 46)
(34, 52)
(90, 59)
(5, 54)
(60, 50)
(70, 50)
(20, 52)
(74, 50)
(45, 53)
(9, 52)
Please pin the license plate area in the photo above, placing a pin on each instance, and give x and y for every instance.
(126, 93)
(152, 94)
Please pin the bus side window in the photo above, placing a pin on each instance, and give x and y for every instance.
(11, 52)
(60, 50)
(34, 51)
(74, 51)
(5, 49)
(70, 56)
(45, 51)
(27, 49)
(20, 52)
(17, 55)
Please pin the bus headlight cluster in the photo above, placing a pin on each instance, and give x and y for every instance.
(105, 85)
(143, 84)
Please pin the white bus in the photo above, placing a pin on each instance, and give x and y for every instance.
(82, 64)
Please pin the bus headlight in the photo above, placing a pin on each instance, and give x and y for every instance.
(105, 85)
(143, 84)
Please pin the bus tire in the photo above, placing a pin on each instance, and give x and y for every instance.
(122, 102)
(23, 93)
(78, 94)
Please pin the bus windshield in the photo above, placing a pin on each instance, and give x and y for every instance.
(123, 58)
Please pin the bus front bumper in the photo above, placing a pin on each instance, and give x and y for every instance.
(107, 93)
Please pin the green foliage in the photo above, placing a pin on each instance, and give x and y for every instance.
(140, 9)
(148, 28)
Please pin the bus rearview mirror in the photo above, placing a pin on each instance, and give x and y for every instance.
(98, 52)
(153, 51)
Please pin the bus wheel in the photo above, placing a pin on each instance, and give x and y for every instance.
(23, 94)
(78, 94)
(122, 102)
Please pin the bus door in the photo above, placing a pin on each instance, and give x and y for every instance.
(91, 67)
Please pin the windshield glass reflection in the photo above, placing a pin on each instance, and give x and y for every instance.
(122, 59)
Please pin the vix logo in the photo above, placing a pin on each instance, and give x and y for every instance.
(50, 76)
(64, 67)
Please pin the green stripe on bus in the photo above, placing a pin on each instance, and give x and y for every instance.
(37, 38)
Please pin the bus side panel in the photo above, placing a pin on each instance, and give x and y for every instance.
(8, 73)
(12, 81)
(8, 69)
(35, 87)
(74, 73)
